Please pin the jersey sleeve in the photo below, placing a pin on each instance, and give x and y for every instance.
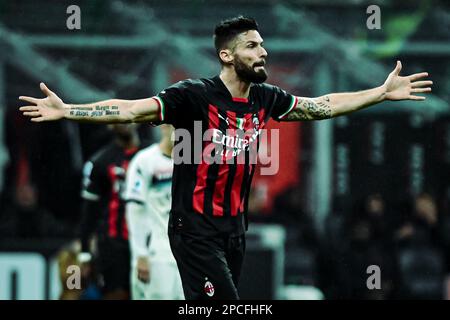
(138, 179)
(92, 181)
(280, 102)
(174, 104)
(139, 229)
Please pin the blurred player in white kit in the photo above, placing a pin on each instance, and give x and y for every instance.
(154, 271)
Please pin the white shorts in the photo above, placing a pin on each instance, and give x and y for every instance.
(165, 283)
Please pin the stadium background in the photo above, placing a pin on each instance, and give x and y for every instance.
(314, 227)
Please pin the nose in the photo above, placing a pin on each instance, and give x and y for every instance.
(263, 52)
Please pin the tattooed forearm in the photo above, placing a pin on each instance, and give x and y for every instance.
(334, 104)
(311, 109)
(114, 111)
(72, 108)
(299, 111)
(94, 111)
(103, 112)
(323, 111)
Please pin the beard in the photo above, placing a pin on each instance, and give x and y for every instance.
(248, 74)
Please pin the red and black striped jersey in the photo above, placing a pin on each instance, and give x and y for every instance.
(103, 182)
(210, 197)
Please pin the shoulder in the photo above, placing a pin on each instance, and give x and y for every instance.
(189, 84)
(148, 151)
(192, 86)
(272, 94)
(146, 155)
(266, 88)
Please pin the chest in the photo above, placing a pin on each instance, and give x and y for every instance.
(223, 115)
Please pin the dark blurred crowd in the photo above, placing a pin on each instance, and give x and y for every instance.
(25, 218)
(409, 242)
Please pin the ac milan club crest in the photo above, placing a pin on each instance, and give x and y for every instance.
(209, 288)
(255, 122)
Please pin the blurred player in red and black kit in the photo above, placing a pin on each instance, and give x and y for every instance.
(103, 212)
(209, 200)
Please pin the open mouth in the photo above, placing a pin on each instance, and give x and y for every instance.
(259, 65)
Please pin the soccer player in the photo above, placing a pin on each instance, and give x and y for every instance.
(103, 212)
(154, 273)
(209, 200)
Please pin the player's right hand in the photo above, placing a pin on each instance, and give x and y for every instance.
(143, 269)
(45, 109)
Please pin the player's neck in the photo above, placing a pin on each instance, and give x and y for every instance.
(236, 87)
(166, 147)
(132, 142)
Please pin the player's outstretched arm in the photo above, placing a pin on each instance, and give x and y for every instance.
(52, 108)
(332, 105)
(139, 230)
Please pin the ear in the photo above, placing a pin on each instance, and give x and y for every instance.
(226, 56)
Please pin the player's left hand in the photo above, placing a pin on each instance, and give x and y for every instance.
(143, 269)
(405, 88)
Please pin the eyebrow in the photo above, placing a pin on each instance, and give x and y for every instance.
(256, 42)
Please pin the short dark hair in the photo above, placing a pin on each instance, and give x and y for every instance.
(228, 29)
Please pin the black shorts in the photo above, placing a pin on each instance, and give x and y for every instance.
(209, 267)
(113, 264)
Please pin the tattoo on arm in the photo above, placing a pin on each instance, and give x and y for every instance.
(311, 109)
(94, 111)
(324, 108)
